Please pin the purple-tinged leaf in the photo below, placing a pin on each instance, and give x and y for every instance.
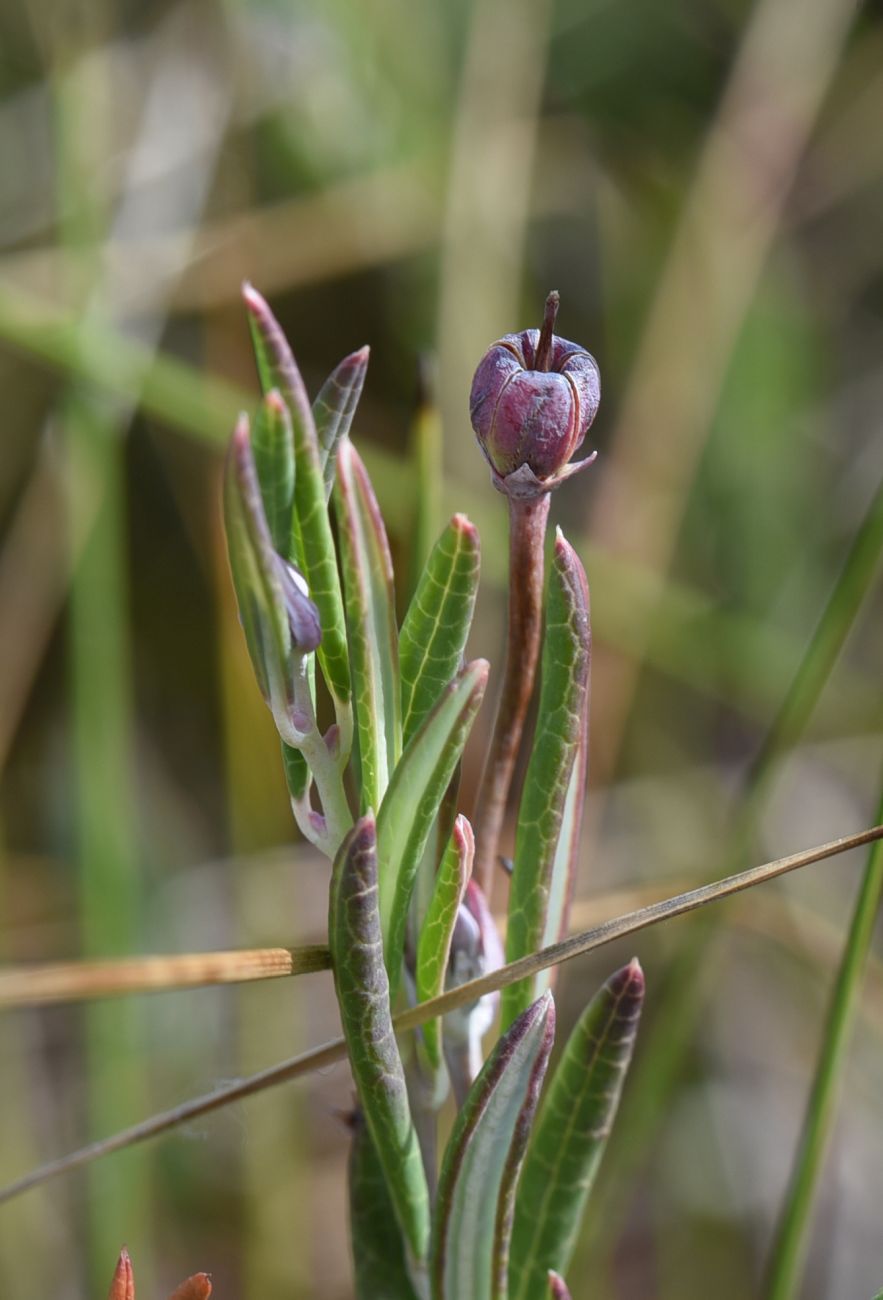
(313, 543)
(570, 1134)
(371, 625)
(557, 1286)
(551, 803)
(473, 1215)
(279, 619)
(434, 943)
(334, 408)
(362, 988)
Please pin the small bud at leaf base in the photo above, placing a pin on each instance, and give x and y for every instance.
(533, 399)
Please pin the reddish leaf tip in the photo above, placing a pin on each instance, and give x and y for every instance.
(464, 524)
(557, 1286)
(254, 301)
(122, 1286)
(464, 838)
(275, 401)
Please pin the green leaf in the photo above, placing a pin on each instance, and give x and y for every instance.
(437, 623)
(313, 542)
(412, 802)
(370, 615)
(571, 1132)
(381, 1271)
(434, 944)
(362, 990)
(473, 1214)
(297, 772)
(545, 838)
(281, 624)
(334, 408)
(272, 444)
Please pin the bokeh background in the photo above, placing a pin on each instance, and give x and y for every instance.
(703, 182)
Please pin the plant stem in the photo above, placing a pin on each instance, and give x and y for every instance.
(527, 531)
(787, 1253)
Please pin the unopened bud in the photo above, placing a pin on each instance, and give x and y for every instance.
(533, 399)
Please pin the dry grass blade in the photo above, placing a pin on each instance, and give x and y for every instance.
(23, 986)
(334, 1050)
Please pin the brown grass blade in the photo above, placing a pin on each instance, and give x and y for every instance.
(24, 986)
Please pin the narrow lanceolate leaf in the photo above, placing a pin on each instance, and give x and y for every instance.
(434, 943)
(272, 444)
(540, 884)
(473, 1215)
(312, 538)
(570, 1133)
(412, 802)
(433, 636)
(334, 408)
(363, 995)
(557, 1287)
(277, 617)
(370, 616)
(379, 1262)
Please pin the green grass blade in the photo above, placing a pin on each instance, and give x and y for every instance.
(272, 445)
(540, 885)
(334, 408)
(790, 1239)
(362, 990)
(434, 943)
(570, 1134)
(412, 802)
(379, 1263)
(438, 620)
(473, 1214)
(371, 624)
(313, 540)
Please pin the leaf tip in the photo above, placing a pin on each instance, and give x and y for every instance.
(122, 1286)
(464, 525)
(255, 303)
(557, 1286)
(479, 669)
(464, 840)
(275, 402)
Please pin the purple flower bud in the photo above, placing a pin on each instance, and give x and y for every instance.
(533, 398)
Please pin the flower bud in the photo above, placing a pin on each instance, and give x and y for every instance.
(533, 398)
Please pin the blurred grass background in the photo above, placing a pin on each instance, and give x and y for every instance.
(704, 185)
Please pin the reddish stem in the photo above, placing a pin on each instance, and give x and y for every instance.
(527, 531)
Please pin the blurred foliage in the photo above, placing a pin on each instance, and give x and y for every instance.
(703, 183)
